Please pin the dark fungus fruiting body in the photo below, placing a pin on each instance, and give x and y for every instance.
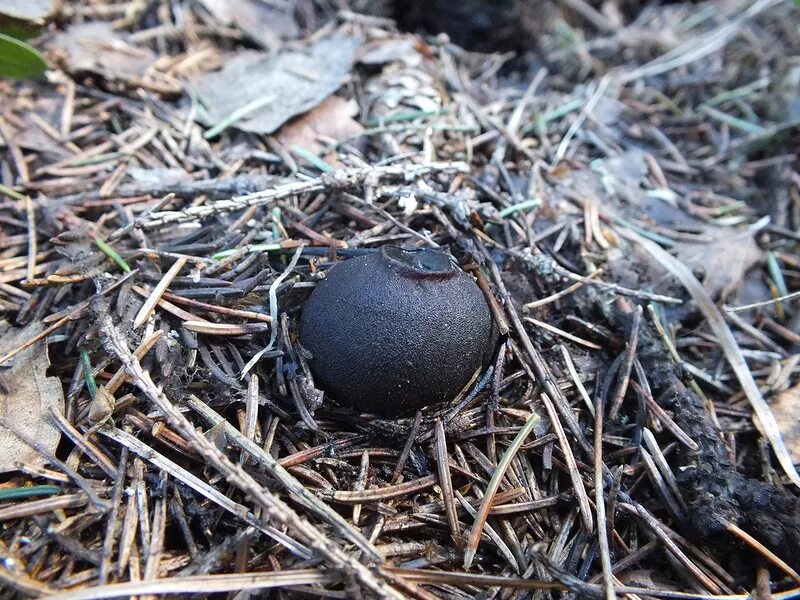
(397, 330)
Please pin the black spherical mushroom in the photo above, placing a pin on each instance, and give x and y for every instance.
(397, 330)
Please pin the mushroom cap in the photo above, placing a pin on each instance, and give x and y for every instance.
(397, 330)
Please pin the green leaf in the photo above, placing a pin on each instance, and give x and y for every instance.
(19, 60)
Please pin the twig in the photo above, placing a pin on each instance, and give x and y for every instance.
(443, 469)
(625, 371)
(338, 180)
(239, 510)
(600, 501)
(744, 307)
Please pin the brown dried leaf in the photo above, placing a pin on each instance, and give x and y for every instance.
(724, 262)
(96, 48)
(786, 408)
(264, 23)
(273, 88)
(26, 397)
(330, 120)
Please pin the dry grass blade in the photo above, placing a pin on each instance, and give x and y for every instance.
(491, 489)
(729, 346)
(203, 584)
(446, 483)
(763, 550)
(150, 304)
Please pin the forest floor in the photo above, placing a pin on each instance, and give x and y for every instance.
(626, 192)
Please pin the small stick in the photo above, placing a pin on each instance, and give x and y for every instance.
(558, 295)
(361, 483)
(37, 507)
(275, 509)
(497, 310)
(149, 305)
(562, 333)
(743, 307)
(625, 371)
(761, 549)
(269, 464)
(341, 179)
(201, 487)
(600, 502)
(30, 273)
(446, 483)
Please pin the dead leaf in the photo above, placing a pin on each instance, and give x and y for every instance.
(24, 18)
(33, 114)
(786, 408)
(724, 262)
(647, 578)
(378, 52)
(96, 48)
(26, 397)
(264, 23)
(330, 120)
(280, 85)
(102, 406)
(28, 10)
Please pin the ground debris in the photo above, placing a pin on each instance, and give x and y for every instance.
(624, 189)
(268, 90)
(28, 433)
